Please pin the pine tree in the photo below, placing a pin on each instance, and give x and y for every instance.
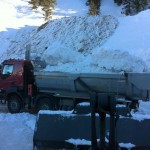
(127, 7)
(94, 7)
(139, 5)
(46, 5)
(119, 2)
(132, 7)
(34, 4)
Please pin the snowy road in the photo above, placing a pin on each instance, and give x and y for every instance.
(16, 130)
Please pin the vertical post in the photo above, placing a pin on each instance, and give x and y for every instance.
(102, 129)
(27, 53)
(112, 130)
(112, 136)
(93, 124)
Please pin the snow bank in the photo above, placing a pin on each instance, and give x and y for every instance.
(117, 61)
(16, 131)
(13, 42)
(132, 36)
(64, 42)
(66, 37)
(71, 45)
(80, 34)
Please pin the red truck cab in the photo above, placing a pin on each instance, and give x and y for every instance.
(15, 76)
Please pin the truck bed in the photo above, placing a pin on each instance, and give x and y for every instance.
(133, 86)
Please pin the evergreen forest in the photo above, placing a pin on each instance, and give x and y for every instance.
(129, 7)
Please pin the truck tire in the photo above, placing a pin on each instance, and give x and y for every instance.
(45, 104)
(14, 104)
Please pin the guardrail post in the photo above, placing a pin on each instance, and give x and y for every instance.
(93, 122)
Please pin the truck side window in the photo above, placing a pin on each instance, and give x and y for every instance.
(7, 70)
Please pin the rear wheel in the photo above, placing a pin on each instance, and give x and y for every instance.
(14, 104)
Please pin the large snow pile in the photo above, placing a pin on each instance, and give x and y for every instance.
(132, 36)
(61, 39)
(80, 44)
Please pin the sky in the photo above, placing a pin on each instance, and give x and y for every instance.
(117, 43)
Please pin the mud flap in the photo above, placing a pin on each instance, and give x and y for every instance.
(62, 130)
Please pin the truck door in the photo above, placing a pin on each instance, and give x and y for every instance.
(28, 75)
(6, 76)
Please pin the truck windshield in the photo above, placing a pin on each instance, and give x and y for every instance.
(7, 70)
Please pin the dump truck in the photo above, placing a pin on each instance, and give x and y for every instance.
(23, 88)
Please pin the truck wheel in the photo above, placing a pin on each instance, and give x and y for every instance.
(45, 104)
(14, 104)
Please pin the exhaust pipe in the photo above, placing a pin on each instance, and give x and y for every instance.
(27, 53)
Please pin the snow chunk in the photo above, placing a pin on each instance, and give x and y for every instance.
(84, 104)
(51, 112)
(143, 111)
(117, 61)
(126, 145)
(79, 141)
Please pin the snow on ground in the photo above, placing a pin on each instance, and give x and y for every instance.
(110, 43)
(16, 131)
(143, 111)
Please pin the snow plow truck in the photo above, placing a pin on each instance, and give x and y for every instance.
(78, 111)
